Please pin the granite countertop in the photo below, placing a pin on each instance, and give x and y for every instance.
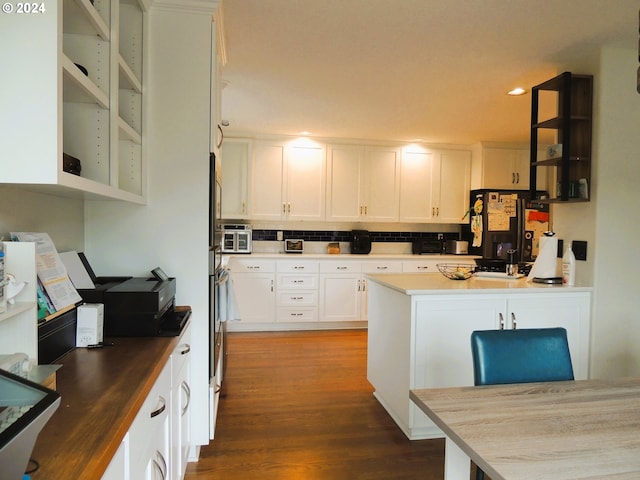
(437, 284)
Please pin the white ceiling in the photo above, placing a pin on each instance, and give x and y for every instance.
(436, 70)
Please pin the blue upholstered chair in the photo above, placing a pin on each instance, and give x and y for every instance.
(520, 356)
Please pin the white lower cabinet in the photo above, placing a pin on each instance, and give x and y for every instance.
(180, 402)
(157, 443)
(149, 433)
(254, 288)
(297, 291)
(427, 338)
(341, 291)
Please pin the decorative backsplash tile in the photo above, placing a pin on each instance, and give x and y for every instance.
(344, 236)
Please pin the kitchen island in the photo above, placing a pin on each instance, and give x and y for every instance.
(420, 327)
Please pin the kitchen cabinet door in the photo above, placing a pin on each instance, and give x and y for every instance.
(255, 296)
(569, 310)
(381, 184)
(344, 183)
(508, 168)
(416, 186)
(434, 185)
(235, 157)
(451, 186)
(305, 182)
(267, 181)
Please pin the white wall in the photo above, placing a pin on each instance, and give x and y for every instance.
(608, 222)
(25, 211)
(172, 230)
(616, 319)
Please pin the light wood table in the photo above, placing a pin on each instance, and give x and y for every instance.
(557, 430)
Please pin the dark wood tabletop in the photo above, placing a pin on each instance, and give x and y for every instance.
(102, 390)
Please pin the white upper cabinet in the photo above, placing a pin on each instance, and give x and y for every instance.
(235, 155)
(362, 183)
(287, 181)
(506, 167)
(56, 108)
(434, 185)
(453, 185)
(416, 186)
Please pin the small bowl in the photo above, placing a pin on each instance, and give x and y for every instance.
(457, 271)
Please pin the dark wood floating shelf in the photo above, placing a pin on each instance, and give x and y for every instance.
(570, 173)
(552, 162)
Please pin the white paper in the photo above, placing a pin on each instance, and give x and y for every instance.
(51, 271)
(76, 270)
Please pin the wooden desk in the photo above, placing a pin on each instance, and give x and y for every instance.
(557, 430)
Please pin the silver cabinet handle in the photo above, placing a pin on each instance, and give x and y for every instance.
(501, 318)
(186, 349)
(221, 136)
(187, 392)
(517, 177)
(162, 466)
(161, 408)
(341, 268)
(272, 285)
(422, 267)
(514, 321)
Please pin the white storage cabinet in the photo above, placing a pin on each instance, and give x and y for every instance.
(254, 287)
(363, 183)
(287, 181)
(235, 155)
(434, 185)
(180, 401)
(297, 291)
(96, 118)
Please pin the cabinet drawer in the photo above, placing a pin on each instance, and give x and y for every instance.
(300, 314)
(337, 266)
(290, 298)
(248, 264)
(300, 266)
(297, 281)
(180, 355)
(151, 418)
(420, 267)
(382, 267)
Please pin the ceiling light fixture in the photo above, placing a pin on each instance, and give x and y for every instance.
(517, 91)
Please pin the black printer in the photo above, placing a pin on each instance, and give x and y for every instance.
(136, 307)
(140, 307)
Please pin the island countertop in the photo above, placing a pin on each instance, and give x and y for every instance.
(437, 284)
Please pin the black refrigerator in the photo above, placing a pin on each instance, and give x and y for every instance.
(503, 220)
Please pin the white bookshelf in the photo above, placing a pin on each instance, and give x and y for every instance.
(19, 324)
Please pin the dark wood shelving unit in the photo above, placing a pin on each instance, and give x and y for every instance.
(573, 126)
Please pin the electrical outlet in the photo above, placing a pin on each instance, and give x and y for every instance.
(279, 236)
(440, 236)
(579, 248)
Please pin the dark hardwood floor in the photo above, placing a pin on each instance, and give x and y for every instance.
(297, 406)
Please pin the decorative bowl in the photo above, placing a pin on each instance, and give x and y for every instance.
(457, 271)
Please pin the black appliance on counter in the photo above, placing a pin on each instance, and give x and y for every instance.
(138, 307)
(425, 246)
(503, 220)
(360, 242)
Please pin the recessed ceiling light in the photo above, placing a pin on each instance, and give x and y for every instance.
(517, 91)
(305, 133)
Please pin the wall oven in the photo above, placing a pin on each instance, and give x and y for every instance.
(216, 274)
